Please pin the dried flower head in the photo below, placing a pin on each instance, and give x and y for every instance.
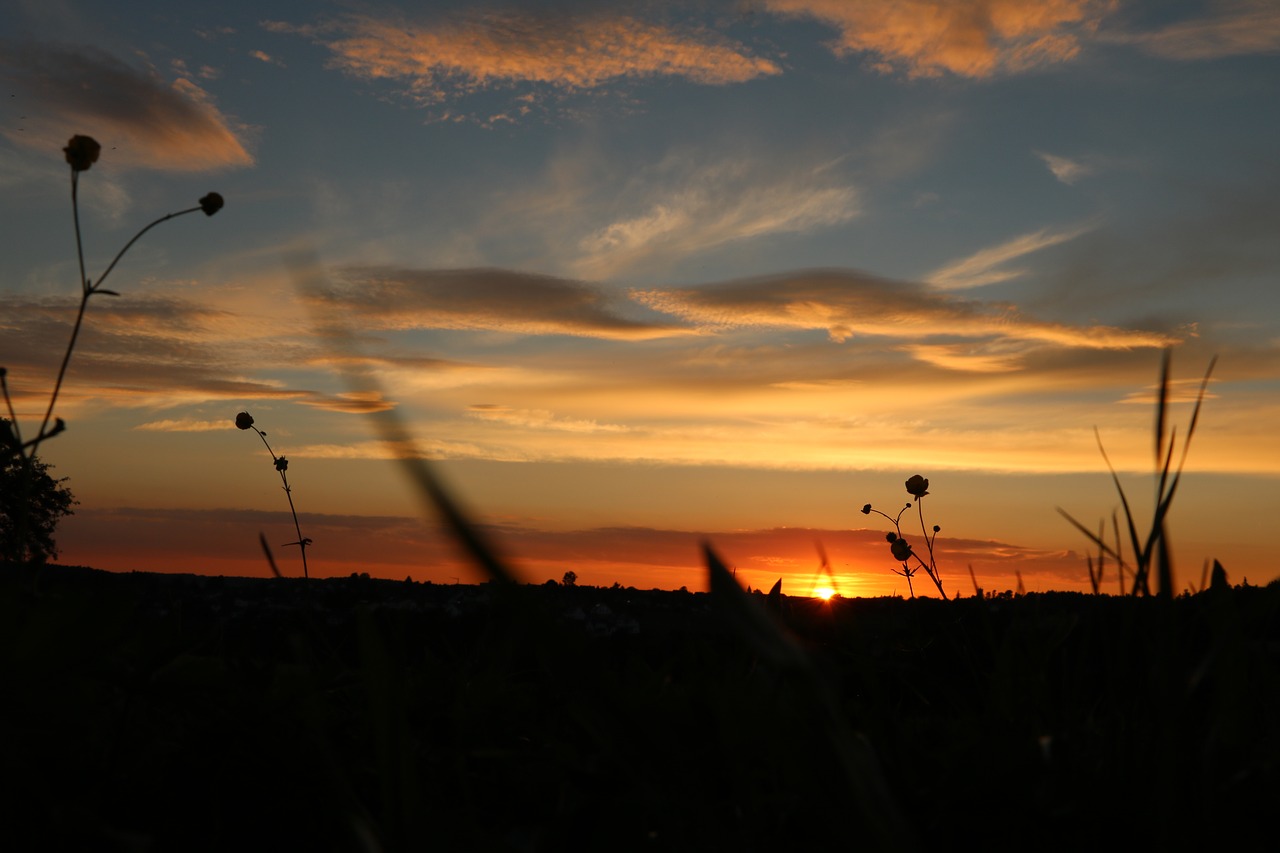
(282, 464)
(918, 486)
(82, 152)
(244, 420)
(211, 204)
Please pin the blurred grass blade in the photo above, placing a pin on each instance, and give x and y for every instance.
(750, 620)
(309, 281)
(880, 815)
(271, 560)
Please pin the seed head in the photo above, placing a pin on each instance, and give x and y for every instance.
(82, 152)
(211, 204)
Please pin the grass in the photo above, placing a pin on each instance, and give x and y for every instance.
(1153, 548)
(155, 713)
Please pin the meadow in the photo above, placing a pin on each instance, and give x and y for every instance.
(188, 713)
(182, 712)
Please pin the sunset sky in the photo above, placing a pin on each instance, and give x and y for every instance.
(636, 275)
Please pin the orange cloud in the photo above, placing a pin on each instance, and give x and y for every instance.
(845, 303)
(968, 38)
(466, 53)
(141, 121)
(493, 299)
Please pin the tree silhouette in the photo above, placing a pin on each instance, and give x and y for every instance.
(31, 504)
(570, 578)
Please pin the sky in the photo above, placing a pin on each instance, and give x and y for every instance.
(637, 277)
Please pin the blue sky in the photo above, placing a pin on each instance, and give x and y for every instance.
(679, 269)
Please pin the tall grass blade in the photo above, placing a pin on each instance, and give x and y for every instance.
(1140, 579)
(309, 281)
(880, 815)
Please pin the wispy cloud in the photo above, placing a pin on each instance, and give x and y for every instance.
(148, 122)
(981, 267)
(1066, 170)
(447, 56)
(1232, 28)
(696, 209)
(845, 304)
(182, 425)
(539, 419)
(500, 300)
(967, 38)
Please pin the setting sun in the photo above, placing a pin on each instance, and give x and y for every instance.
(823, 592)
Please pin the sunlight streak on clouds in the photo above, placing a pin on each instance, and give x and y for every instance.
(149, 124)
(538, 419)
(845, 304)
(493, 299)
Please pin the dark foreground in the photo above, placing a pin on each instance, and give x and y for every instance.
(176, 713)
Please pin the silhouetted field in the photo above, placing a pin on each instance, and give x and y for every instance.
(176, 712)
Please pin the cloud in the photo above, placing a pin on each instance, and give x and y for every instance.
(225, 541)
(492, 299)
(980, 268)
(1232, 29)
(183, 425)
(450, 56)
(967, 38)
(1067, 171)
(709, 207)
(138, 351)
(539, 419)
(263, 56)
(846, 303)
(141, 121)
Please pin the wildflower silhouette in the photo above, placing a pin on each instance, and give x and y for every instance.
(245, 421)
(81, 152)
(918, 488)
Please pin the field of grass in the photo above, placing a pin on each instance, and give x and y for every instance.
(148, 712)
(175, 712)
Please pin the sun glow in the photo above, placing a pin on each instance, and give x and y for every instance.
(823, 592)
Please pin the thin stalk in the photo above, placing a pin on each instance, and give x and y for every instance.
(87, 289)
(302, 542)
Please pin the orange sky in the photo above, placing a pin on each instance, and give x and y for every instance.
(639, 276)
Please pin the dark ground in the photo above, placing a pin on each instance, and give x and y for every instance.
(177, 712)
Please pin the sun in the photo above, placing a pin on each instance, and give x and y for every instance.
(823, 592)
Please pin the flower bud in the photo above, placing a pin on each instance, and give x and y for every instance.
(918, 486)
(866, 510)
(901, 550)
(244, 420)
(282, 464)
(211, 204)
(82, 152)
